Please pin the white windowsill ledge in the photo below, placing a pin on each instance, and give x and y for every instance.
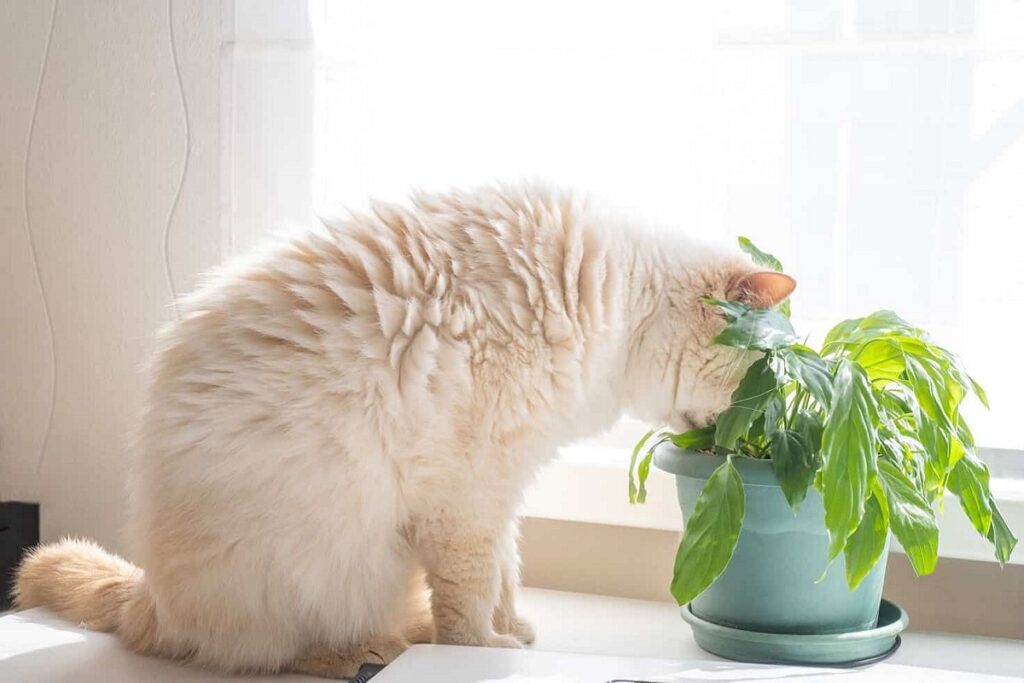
(589, 484)
(591, 624)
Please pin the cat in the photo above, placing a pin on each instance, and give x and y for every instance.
(338, 432)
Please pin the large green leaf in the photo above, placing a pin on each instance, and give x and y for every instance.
(911, 518)
(887, 322)
(792, 463)
(878, 324)
(749, 400)
(809, 370)
(865, 545)
(928, 364)
(883, 323)
(761, 329)
(950, 368)
(881, 359)
(969, 481)
(848, 446)
(930, 389)
(1000, 536)
(710, 535)
(938, 449)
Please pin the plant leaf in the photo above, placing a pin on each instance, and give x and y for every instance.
(969, 481)
(841, 333)
(710, 535)
(881, 359)
(929, 388)
(763, 258)
(761, 329)
(643, 470)
(865, 545)
(749, 400)
(632, 464)
(849, 445)
(792, 463)
(911, 518)
(774, 413)
(730, 309)
(878, 324)
(809, 370)
(1000, 536)
(937, 448)
(755, 432)
(882, 323)
(760, 258)
(695, 439)
(978, 391)
(810, 428)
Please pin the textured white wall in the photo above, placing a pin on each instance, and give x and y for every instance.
(110, 166)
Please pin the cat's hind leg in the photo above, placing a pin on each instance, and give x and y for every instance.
(420, 626)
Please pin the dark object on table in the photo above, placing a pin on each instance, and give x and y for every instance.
(19, 532)
(366, 672)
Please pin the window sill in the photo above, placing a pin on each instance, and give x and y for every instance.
(591, 624)
(588, 484)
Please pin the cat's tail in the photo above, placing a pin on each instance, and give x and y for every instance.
(87, 585)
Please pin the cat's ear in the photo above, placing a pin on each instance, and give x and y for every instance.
(763, 289)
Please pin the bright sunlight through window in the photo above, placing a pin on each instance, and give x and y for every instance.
(878, 150)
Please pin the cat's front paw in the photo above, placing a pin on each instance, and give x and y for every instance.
(506, 641)
(513, 625)
(482, 640)
(522, 630)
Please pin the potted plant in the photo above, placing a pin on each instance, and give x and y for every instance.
(790, 496)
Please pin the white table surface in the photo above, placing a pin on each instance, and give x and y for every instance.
(38, 646)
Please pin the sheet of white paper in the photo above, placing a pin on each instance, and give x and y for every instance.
(449, 664)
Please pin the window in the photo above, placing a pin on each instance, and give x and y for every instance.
(876, 147)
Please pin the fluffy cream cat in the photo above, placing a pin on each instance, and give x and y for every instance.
(333, 421)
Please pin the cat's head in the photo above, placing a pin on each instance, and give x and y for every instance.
(681, 378)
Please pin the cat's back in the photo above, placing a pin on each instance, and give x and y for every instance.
(400, 302)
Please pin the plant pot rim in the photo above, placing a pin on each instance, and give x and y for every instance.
(684, 462)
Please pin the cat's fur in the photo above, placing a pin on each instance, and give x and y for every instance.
(334, 420)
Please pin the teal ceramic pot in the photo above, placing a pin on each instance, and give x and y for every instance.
(771, 583)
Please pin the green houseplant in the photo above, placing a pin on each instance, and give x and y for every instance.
(821, 454)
